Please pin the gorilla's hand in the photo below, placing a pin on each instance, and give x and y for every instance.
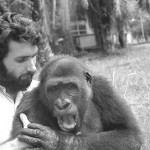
(39, 136)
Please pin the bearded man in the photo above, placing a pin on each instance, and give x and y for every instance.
(19, 40)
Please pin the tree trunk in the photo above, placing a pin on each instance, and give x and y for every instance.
(68, 46)
(95, 18)
(121, 35)
(36, 11)
(41, 15)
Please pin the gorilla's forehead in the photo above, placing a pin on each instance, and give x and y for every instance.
(66, 67)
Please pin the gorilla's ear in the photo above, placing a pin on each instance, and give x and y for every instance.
(88, 77)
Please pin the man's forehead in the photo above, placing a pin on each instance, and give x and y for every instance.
(18, 49)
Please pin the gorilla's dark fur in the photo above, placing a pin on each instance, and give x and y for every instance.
(102, 120)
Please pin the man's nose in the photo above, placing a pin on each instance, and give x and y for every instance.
(31, 66)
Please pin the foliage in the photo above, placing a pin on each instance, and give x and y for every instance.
(144, 4)
(3, 7)
(139, 22)
(136, 29)
(61, 40)
(121, 16)
(22, 7)
(103, 14)
(99, 18)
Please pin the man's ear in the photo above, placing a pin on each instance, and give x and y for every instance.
(88, 77)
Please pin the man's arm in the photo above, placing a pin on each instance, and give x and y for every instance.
(15, 144)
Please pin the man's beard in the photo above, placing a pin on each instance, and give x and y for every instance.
(9, 81)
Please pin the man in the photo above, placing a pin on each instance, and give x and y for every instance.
(19, 39)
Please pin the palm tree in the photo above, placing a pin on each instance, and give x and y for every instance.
(121, 15)
(3, 7)
(102, 14)
(144, 4)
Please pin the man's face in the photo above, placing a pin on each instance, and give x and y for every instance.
(20, 64)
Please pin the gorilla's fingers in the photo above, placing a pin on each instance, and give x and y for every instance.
(30, 140)
(33, 149)
(24, 120)
(37, 126)
(32, 132)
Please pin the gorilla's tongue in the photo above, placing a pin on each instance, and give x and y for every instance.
(66, 123)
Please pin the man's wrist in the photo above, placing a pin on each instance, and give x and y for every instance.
(14, 144)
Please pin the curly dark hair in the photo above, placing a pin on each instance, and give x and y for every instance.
(18, 28)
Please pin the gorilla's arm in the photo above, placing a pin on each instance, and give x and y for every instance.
(120, 131)
(110, 140)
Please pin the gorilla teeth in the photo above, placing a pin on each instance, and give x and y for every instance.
(68, 119)
(66, 123)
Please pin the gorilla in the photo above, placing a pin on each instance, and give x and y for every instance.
(81, 107)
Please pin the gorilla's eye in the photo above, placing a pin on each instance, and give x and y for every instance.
(71, 86)
(51, 89)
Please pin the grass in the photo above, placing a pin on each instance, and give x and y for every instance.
(129, 73)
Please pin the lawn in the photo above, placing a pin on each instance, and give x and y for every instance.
(129, 73)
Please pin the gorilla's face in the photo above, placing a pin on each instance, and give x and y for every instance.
(68, 91)
(64, 103)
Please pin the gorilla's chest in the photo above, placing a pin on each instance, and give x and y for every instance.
(92, 122)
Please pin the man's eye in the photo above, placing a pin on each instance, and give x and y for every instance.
(21, 60)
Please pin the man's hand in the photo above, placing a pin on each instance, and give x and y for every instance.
(15, 144)
(39, 136)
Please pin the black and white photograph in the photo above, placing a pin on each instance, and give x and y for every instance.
(74, 74)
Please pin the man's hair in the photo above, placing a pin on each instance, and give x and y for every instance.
(18, 28)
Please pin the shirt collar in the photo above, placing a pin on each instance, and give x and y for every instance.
(2, 88)
(18, 96)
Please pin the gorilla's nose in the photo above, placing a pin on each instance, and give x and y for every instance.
(62, 104)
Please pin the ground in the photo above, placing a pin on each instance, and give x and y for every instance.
(129, 72)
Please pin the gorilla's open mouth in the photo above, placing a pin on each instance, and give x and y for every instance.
(67, 123)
